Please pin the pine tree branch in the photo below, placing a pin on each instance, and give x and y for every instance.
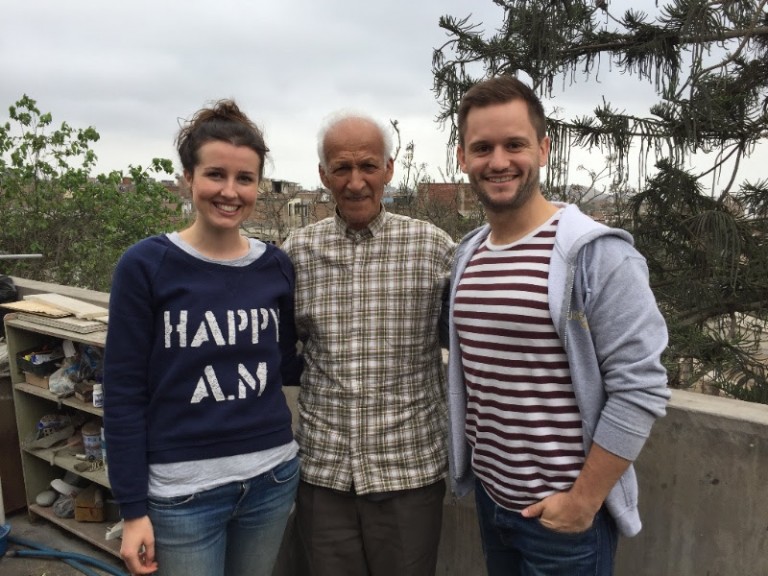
(628, 42)
(699, 316)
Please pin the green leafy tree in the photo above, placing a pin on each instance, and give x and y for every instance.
(703, 230)
(50, 204)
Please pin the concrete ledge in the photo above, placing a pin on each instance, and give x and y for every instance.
(722, 408)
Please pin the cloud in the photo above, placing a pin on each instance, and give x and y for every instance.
(134, 70)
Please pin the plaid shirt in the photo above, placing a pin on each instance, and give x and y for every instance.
(372, 400)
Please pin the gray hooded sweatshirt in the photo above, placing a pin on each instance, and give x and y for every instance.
(613, 334)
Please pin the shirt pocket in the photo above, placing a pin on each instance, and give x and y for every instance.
(411, 304)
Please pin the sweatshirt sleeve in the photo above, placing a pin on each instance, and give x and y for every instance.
(291, 363)
(629, 335)
(126, 389)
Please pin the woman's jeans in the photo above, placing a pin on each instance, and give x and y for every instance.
(232, 530)
(517, 546)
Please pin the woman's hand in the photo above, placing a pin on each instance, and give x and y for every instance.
(138, 548)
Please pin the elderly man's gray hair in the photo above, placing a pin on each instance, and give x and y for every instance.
(332, 120)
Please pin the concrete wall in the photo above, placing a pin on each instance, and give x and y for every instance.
(704, 498)
(703, 483)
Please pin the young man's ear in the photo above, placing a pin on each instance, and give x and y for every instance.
(544, 146)
(460, 157)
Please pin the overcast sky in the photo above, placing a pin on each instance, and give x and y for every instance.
(134, 69)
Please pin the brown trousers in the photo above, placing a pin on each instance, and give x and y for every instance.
(345, 534)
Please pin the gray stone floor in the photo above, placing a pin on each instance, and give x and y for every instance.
(51, 536)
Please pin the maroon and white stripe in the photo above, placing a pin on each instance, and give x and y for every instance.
(522, 417)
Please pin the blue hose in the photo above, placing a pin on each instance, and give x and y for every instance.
(73, 563)
(29, 544)
(72, 558)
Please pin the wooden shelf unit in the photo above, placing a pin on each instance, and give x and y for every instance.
(41, 466)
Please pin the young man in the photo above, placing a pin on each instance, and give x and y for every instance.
(370, 287)
(555, 376)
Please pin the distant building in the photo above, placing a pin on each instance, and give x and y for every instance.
(284, 206)
(458, 195)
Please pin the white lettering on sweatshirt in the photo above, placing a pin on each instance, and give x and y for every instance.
(223, 331)
(209, 328)
(208, 384)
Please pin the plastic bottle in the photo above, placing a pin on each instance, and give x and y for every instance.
(98, 395)
(103, 448)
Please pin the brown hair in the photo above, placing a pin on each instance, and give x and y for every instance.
(224, 122)
(500, 90)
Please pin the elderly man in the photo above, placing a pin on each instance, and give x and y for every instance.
(370, 287)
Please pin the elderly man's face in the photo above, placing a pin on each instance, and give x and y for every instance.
(356, 170)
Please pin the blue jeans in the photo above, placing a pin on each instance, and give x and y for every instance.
(233, 530)
(517, 546)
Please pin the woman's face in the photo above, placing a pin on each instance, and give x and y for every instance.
(224, 184)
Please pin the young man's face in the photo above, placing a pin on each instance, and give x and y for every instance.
(502, 154)
(356, 170)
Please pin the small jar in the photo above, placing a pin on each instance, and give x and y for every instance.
(91, 433)
(98, 395)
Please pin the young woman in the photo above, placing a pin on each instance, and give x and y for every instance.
(201, 337)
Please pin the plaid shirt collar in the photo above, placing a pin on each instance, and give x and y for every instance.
(374, 228)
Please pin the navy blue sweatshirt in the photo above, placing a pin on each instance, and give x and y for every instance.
(195, 357)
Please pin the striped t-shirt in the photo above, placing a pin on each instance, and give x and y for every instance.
(522, 419)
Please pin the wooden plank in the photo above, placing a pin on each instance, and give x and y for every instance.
(92, 532)
(78, 325)
(28, 335)
(79, 308)
(36, 308)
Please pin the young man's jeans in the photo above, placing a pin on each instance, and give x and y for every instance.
(517, 546)
(232, 530)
